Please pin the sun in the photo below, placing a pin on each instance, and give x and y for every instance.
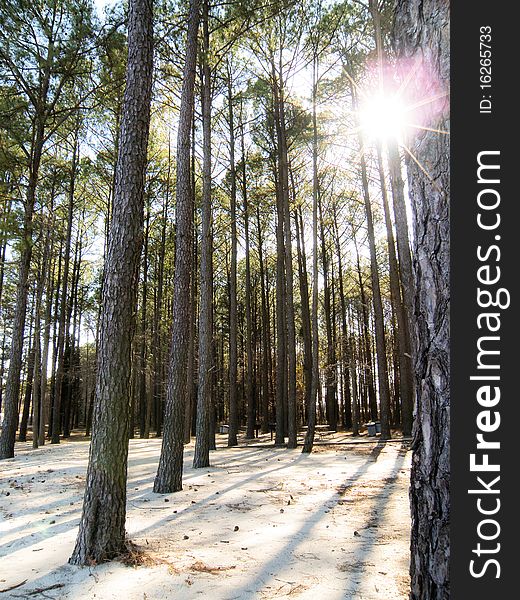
(382, 117)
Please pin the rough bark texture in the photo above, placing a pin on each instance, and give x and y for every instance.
(102, 528)
(169, 474)
(422, 32)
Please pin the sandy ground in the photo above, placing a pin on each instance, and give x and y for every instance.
(259, 523)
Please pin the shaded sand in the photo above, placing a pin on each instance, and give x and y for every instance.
(259, 523)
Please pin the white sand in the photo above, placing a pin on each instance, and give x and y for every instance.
(333, 525)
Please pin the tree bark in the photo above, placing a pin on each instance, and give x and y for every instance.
(169, 473)
(281, 332)
(330, 375)
(102, 528)
(266, 331)
(421, 32)
(38, 387)
(382, 365)
(202, 441)
(311, 418)
(249, 391)
(60, 372)
(233, 347)
(401, 315)
(44, 414)
(345, 350)
(289, 288)
(305, 310)
(144, 420)
(12, 384)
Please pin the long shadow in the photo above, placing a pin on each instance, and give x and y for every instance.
(249, 590)
(364, 547)
(214, 496)
(31, 460)
(214, 468)
(40, 536)
(132, 483)
(284, 555)
(379, 506)
(171, 516)
(51, 507)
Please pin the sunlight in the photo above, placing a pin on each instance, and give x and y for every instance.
(383, 117)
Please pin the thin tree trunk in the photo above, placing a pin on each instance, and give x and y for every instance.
(144, 421)
(233, 344)
(250, 400)
(22, 435)
(191, 386)
(305, 310)
(345, 350)
(44, 415)
(202, 441)
(169, 473)
(403, 337)
(60, 372)
(289, 293)
(330, 385)
(265, 331)
(311, 422)
(69, 380)
(158, 367)
(382, 366)
(12, 385)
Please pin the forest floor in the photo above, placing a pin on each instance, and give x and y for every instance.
(259, 523)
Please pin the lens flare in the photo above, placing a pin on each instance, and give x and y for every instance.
(383, 117)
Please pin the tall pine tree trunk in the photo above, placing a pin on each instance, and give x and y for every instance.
(289, 288)
(403, 332)
(204, 404)
(60, 372)
(266, 331)
(250, 399)
(169, 473)
(233, 327)
(315, 386)
(382, 365)
(102, 528)
(12, 384)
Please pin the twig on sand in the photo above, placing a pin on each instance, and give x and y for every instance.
(55, 586)
(13, 587)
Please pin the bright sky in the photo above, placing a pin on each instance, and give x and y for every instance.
(100, 5)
